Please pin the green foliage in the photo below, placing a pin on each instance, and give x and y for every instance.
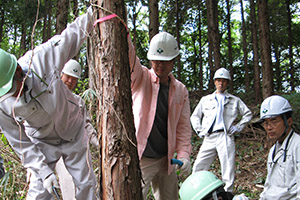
(293, 98)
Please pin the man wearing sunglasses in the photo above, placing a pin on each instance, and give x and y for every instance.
(283, 178)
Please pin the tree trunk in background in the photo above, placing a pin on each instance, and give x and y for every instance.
(256, 68)
(120, 173)
(177, 6)
(245, 51)
(290, 43)
(278, 84)
(47, 20)
(200, 49)
(267, 68)
(153, 18)
(214, 37)
(230, 61)
(61, 15)
(2, 20)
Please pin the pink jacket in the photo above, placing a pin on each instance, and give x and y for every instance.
(144, 88)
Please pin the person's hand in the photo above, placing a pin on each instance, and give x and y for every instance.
(186, 167)
(94, 140)
(49, 182)
(232, 130)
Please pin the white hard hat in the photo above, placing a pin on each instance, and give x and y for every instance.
(222, 73)
(273, 106)
(72, 68)
(163, 46)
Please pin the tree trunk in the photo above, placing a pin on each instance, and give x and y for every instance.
(47, 20)
(177, 5)
(230, 60)
(256, 68)
(61, 15)
(244, 35)
(2, 20)
(214, 38)
(153, 18)
(267, 68)
(120, 174)
(200, 50)
(290, 43)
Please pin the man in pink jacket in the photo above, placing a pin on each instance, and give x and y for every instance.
(161, 112)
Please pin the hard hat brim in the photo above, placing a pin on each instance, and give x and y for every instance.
(162, 58)
(5, 89)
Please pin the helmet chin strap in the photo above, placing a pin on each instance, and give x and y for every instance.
(214, 195)
(286, 127)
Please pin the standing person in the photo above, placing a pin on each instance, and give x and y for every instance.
(213, 119)
(2, 171)
(70, 75)
(41, 118)
(283, 178)
(161, 112)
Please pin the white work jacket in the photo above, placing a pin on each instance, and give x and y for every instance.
(205, 113)
(48, 111)
(283, 178)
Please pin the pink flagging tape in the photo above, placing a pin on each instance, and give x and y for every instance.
(107, 18)
(104, 19)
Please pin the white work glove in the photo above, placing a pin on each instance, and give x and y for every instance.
(94, 140)
(49, 182)
(186, 167)
(232, 130)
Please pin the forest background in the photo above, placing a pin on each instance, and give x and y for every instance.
(258, 41)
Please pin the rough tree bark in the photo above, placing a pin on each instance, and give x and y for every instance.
(256, 68)
(213, 38)
(120, 176)
(62, 15)
(153, 18)
(265, 46)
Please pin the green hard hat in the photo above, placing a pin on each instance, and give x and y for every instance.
(8, 66)
(198, 185)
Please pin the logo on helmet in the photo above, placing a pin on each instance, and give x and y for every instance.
(75, 70)
(159, 50)
(265, 111)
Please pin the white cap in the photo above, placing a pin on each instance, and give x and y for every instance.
(163, 46)
(273, 106)
(222, 73)
(72, 68)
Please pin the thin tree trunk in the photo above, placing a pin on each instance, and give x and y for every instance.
(290, 40)
(2, 15)
(244, 35)
(153, 18)
(230, 60)
(214, 38)
(120, 174)
(61, 15)
(200, 49)
(177, 5)
(267, 68)
(256, 68)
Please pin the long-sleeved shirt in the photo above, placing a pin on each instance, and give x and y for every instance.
(47, 111)
(205, 113)
(283, 178)
(145, 87)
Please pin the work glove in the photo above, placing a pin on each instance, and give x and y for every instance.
(232, 130)
(49, 182)
(186, 167)
(94, 140)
